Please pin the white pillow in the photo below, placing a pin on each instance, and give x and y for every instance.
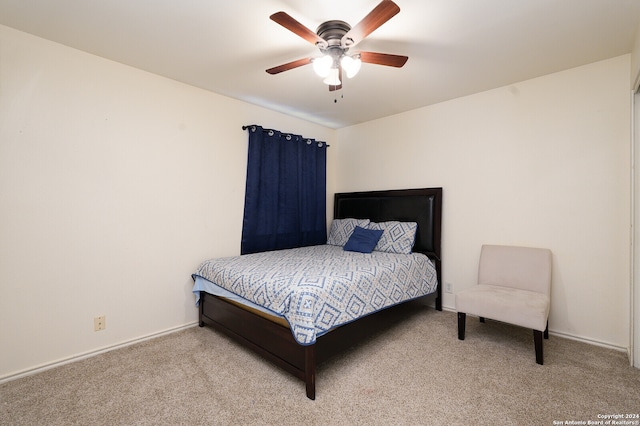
(398, 237)
(341, 230)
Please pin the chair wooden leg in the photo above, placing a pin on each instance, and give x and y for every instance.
(462, 317)
(537, 340)
(546, 331)
(481, 319)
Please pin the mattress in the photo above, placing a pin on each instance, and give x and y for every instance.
(202, 284)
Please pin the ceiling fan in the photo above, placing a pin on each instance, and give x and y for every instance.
(334, 39)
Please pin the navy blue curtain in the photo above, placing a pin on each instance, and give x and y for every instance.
(285, 199)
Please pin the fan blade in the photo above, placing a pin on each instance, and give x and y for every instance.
(383, 59)
(380, 14)
(289, 66)
(297, 28)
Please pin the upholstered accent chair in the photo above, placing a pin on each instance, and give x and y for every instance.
(514, 286)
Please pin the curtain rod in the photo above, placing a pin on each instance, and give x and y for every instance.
(286, 133)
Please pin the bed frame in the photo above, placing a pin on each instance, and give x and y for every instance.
(276, 342)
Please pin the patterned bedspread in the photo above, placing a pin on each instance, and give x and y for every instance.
(320, 287)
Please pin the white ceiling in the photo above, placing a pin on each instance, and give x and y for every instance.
(455, 47)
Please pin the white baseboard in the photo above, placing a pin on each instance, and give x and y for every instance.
(589, 341)
(570, 336)
(48, 366)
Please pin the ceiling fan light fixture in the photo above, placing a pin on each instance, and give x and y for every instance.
(351, 65)
(322, 66)
(333, 79)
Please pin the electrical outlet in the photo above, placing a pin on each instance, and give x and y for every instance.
(99, 323)
(448, 288)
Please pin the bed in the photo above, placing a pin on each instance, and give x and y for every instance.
(298, 341)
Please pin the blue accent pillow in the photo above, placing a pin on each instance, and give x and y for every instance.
(363, 240)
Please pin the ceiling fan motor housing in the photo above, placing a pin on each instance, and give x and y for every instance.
(332, 32)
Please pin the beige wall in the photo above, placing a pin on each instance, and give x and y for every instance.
(543, 162)
(114, 185)
(635, 61)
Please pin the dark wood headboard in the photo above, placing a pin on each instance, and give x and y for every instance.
(423, 206)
